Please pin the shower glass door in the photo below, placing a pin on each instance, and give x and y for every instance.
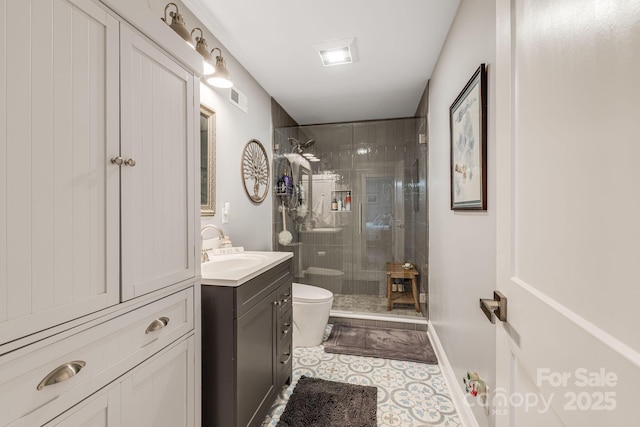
(346, 250)
(379, 172)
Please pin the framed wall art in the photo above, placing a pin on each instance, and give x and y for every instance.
(255, 171)
(468, 127)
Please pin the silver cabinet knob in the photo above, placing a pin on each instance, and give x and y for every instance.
(62, 373)
(116, 160)
(130, 162)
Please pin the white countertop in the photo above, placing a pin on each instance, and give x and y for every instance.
(259, 262)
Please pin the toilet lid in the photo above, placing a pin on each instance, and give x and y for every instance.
(307, 293)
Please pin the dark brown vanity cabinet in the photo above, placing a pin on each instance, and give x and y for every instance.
(246, 347)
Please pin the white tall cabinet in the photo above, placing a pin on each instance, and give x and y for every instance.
(157, 114)
(59, 201)
(99, 299)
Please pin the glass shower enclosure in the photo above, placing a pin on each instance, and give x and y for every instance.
(361, 187)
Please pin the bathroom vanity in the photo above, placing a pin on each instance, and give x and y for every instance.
(246, 336)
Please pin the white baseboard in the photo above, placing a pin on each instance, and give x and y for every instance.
(457, 393)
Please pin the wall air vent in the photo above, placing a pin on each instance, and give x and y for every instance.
(238, 99)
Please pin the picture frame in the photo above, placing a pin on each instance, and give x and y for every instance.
(468, 144)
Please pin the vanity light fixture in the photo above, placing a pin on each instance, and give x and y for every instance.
(177, 23)
(202, 48)
(221, 76)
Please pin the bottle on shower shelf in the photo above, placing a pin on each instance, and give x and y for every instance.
(288, 183)
(281, 188)
(347, 202)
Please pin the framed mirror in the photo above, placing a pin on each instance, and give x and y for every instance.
(207, 161)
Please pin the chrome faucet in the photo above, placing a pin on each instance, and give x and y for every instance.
(205, 256)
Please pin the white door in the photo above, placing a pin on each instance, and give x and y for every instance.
(59, 126)
(161, 393)
(568, 104)
(158, 138)
(100, 410)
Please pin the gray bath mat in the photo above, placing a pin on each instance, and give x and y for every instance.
(321, 403)
(397, 344)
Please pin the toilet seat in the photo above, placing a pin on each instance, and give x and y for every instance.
(310, 294)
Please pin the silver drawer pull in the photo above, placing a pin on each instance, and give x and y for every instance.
(157, 324)
(285, 331)
(285, 361)
(130, 162)
(62, 373)
(286, 300)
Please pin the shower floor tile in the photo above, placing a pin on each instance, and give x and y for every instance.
(371, 304)
(409, 394)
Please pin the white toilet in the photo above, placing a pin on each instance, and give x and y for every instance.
(311, 307)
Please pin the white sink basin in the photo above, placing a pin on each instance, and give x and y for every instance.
(234, 262)
(238, 268)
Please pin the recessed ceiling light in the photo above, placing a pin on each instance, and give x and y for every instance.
(341, 55)
(336, 52)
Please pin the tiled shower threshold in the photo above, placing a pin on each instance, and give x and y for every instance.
(377, 316)
(370, 310)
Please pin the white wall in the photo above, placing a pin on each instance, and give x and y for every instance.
(249, 224)
(462, 245)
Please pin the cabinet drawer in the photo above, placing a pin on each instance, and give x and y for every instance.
(284, 299)
(87, 360)
(284, 348)
(284, 326)
(255, 290)
(285, 362)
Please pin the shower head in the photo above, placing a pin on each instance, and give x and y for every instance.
(300, 146)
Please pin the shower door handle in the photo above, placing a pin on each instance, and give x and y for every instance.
(359, 218)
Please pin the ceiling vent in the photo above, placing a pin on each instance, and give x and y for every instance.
(238, 99)
(337, 52)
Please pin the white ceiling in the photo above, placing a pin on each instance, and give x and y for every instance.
(398, 43)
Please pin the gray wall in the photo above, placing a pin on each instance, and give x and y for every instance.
(249, 223)
(462, 246)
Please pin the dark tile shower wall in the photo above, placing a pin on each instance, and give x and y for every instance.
(383, 145)
(379, 163)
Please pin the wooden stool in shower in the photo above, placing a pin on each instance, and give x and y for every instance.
(395, 271)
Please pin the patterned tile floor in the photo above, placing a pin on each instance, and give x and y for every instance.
(409, 394)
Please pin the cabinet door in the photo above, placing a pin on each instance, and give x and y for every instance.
(158, 131)
(59, 207)
(255, 362)
(102, 410)
(161, 393)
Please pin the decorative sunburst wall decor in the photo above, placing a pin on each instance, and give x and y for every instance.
(255, 171)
